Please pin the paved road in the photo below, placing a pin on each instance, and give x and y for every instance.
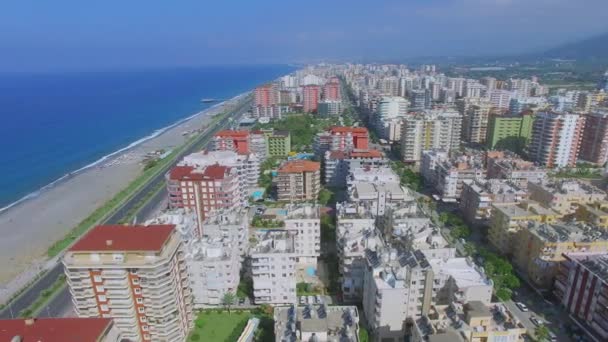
(62, 302)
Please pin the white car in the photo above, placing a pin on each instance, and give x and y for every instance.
(522, 306)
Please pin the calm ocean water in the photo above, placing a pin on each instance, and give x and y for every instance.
(52, 124)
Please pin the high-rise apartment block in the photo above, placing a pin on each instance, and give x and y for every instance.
(137, 276)
(475, 122)
(436, 129)
(298, 180)
(311, 94)
(337, 165)
(231, 140)
(556, 139)
(327, 108)
(510, 131)
(340, 138)
(594, 146)
(206, 190)
(248, 165)
(331, 91)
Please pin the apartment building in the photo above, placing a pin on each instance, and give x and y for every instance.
(405, 286)
(477, 198)
(594, 146)
(136, 275)
(341, 138)
(474, 321)
(331, 91)
(507, 219)
(581, 284)
(266, 95)
(311, 94)
(564, 196)
(556, 139)
(298, 180)
(278, 143)
(231, 140)
(59, 329)
(378, 196)
(500, 98)
(316, 323)
(207, 190)
(214, 250)
(475, 122)
(595, 213)
(355, 232)
(449, 175)
(273, 268)
(247, 165)
(257, 144)
(541, 247)
(337, 165)
(509, 166)
(510, 131)
(329, 108)
(436, 129)
(389, 108)
(305, 221)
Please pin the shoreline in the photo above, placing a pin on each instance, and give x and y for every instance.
(31, 226)
(114, 154)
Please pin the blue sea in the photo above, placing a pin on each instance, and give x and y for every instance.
(54, 123)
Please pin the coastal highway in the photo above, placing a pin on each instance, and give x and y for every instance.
(62, 301)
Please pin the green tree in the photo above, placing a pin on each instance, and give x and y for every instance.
(503, 294)
(363, 335)
(228, 300)
(541, 333)
(325, 196)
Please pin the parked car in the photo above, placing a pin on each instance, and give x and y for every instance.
(537, 322)
(319, 299)
(241, 301)
(522, 306)
(311, 300)
(302, 300)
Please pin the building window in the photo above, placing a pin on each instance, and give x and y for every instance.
(141, 309)
(140, 300)
(97, 279)
(137, 290)
(135, 281)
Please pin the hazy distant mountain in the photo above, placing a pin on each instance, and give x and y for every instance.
(590, 48)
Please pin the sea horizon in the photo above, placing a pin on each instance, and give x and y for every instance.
(165, 96)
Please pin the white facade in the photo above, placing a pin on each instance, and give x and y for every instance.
(389, 109)
(273, 268)
(248, 166)
(305, 222)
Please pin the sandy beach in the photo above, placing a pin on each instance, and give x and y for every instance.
(30, 228)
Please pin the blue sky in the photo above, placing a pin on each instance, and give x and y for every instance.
(82, 35)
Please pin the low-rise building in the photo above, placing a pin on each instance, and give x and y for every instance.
(231, 140)
(478, 196)
(451, 175)
(507, 219)
(341, 138)
(509, 166)
(59, 329)
(541, 247)
(564, 196)
(581, 285)
(596, 214)
(298, 180)
(273, 268)
(474, 321)
(320, 323)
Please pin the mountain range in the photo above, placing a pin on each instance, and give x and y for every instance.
(591, 48)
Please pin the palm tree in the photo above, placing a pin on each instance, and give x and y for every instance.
(228, 300)
(541, 333)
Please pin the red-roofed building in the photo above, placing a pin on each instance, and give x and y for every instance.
(311, 95)
(338, 164)
(135, 275)
(298, 180)
(232, 140)
(207, 190)
(59, 330)
(339, 138)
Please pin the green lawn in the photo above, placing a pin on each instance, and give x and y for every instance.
(215, 326)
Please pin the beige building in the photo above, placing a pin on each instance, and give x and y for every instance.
(298, 180)
(477, 198)
(508, 219)
(565, 196)
(473, 322)
(540, 247)
(320, 323)
(135, 275)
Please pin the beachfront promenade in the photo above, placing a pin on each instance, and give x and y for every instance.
(54, 268)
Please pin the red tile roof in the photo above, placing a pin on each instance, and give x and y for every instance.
(124, 238)
(55, 329)
(184, 173)
(366, 154)
(345, 129)
(215, 171)
(300, 166)
(232, 133)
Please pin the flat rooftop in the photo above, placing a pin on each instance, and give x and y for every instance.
(341, 323)
(464, 273)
